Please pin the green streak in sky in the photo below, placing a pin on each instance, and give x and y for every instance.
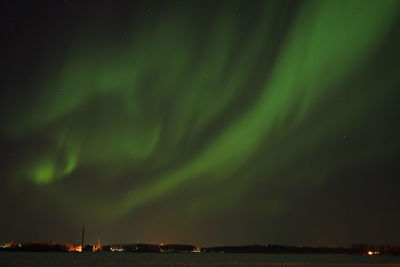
(174, 102)
(327, 43)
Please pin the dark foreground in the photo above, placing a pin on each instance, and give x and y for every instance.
(38, 259)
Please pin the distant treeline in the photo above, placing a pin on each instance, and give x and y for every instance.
(150, 248)
(35, 246)
(354, 249)
(54, 247)
(176, 248)
(272, 249)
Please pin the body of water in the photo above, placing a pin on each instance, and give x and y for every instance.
(38, 259)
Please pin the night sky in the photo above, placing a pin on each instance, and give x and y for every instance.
(202, 122)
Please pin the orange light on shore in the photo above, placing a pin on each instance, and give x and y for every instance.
(371, 252)
(197, 250)
(75, 248)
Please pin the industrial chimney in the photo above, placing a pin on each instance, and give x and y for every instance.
(83, 237)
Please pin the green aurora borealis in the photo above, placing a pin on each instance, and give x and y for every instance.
(226, 122)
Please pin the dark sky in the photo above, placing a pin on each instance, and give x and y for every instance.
(203, 122)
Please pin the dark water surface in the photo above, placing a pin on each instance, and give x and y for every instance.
(116, 259)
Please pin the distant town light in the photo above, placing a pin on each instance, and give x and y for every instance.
(117, 249)
(197, 250)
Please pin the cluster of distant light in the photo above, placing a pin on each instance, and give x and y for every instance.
(52, 246)
(168, 248)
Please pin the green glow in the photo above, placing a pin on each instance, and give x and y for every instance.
(70, 165)
(234, 103)
(43, 173)
(331, 48)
